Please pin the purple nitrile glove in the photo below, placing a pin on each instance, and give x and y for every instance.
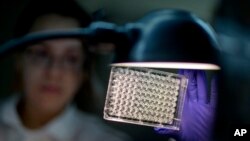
(199, 109)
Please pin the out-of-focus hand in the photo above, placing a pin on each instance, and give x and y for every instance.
(199, 109)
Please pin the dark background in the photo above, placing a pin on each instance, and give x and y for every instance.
(230, 18)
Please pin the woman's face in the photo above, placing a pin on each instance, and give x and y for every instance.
(52, 70)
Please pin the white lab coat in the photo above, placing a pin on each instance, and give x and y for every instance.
(71, 125)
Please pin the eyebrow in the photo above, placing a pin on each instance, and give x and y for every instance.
(37, 44)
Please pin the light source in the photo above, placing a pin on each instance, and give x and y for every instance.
(170, 39)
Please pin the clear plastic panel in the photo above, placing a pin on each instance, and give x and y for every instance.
(145, 97)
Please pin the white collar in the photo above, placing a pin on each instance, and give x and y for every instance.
(61, 128)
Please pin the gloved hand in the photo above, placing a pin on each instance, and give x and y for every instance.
(199, 109)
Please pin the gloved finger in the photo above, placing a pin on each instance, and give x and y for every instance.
(181, 72)
(202, 87)
(170, 133)
(214, 91)
(165, 131)
(192, 84)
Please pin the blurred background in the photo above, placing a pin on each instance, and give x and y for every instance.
(116, 11)
(230, 19)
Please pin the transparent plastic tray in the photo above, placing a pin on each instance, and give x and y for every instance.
(145, 97)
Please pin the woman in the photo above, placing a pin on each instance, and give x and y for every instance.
(51, 74)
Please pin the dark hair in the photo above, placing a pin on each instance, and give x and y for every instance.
(68, 8)
(37, 8)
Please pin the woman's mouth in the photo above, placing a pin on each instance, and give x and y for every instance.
(50, 89)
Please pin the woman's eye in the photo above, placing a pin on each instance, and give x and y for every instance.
(40, 53)
(72, 59)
